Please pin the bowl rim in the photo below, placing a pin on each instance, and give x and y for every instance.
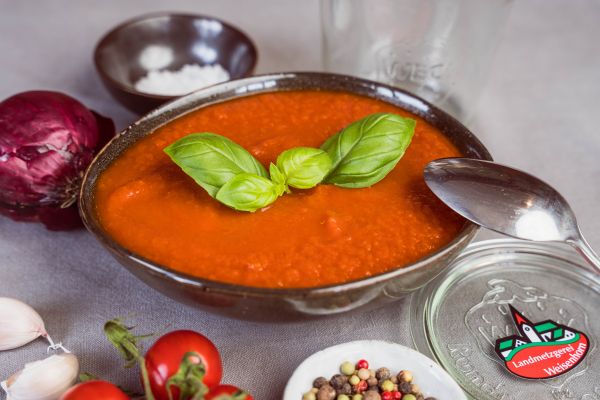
(102, 43)
(91, 222)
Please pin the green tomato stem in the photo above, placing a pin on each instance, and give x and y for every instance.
(145, 378)
(239, 395)
(126, 343)
(189, 378)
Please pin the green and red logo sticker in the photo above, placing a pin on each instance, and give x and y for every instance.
(541, 350)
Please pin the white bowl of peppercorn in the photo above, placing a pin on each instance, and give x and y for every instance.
(371, 370)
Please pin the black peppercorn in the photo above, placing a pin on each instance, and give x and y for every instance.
(326, 392)
(383, 373)
(320, 381)
(346, 389)
(404, 387)
(337, 381)
(371, 395)
(372, 382)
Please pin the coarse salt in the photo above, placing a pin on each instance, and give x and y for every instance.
(189, 78)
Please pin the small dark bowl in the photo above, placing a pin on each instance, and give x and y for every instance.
(265, 304)
(191, 39)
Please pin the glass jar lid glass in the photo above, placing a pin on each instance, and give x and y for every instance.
(458, 317)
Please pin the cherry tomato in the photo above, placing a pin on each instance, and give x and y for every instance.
(94, 390)
(164, 358)
(227, 392)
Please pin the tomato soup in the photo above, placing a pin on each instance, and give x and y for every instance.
(321, 236)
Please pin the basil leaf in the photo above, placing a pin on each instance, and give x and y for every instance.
(364, 152)
(304, 167)
(248, 192)
(278, 179)
(212, 160)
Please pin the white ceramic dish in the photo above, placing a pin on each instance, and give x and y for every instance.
(432, 379)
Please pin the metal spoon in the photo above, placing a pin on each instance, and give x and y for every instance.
(507, 201)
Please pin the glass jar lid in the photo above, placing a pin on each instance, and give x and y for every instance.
(458, 318)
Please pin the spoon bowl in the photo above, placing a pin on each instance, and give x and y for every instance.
(507, 201)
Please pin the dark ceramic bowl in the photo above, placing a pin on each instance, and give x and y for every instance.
(130, 50)
(280, 304)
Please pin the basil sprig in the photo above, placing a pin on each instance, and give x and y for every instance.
(213, 160)
(365, 151)
(358, 156)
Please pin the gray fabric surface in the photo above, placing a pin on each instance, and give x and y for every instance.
(538, 112)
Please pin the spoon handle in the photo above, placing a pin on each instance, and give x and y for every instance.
(587, 252)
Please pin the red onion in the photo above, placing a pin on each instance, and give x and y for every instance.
(47, 140)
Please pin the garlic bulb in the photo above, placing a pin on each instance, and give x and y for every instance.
(19, 324)
(45, 379)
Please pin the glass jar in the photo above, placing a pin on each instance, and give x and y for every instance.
(458, 317)
(438, 49)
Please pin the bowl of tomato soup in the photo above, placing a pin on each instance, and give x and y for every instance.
(313, 252)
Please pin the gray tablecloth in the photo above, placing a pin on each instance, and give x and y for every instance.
(538, 112)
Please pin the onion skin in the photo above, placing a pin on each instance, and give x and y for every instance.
(47, 140)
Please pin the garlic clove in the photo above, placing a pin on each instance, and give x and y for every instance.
(45, 379)
(19, 324)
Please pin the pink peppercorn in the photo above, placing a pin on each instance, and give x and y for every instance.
(387, 396)
(361, 387)
(362, 364)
